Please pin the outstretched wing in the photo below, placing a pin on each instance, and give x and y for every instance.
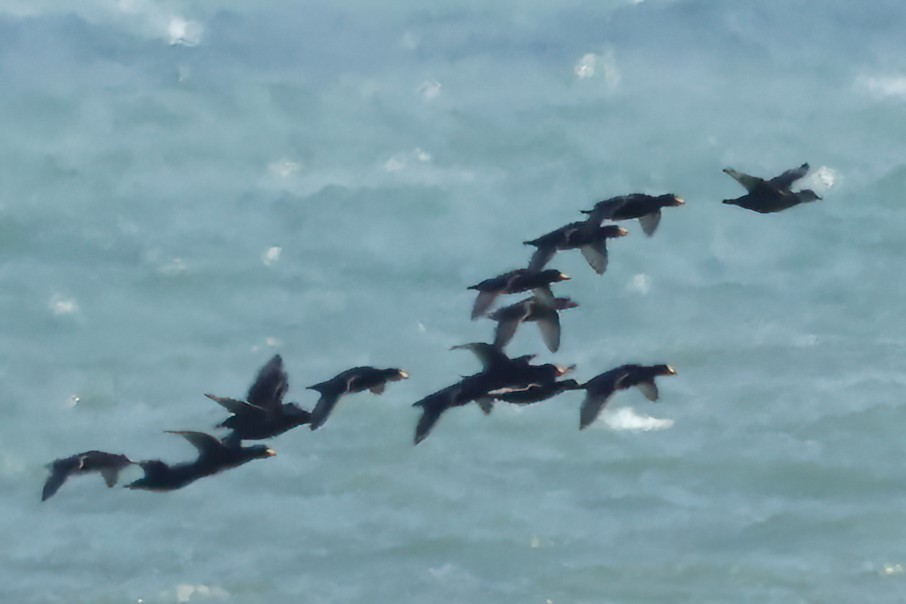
(591, 408)
(598, 393)
(650, 221)
(549, 324)
(483, 302)
(746, 180)
(649, 389)
(207, 445)
(606, 209)
(236, 407)
(58, 476)
(541, 257)
(489, 355)
(270, 385)
(322, 410)
(786, 180)
(596, 255)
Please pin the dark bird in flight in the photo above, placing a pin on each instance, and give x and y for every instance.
(537, 309)
(499, 372)
(513, 282)
(647, 208)
(213, 456)
(588, 236)
(352, 380)
(107, 464)
(600, 388)
(534, 392)
(263, 414)
(774, 195)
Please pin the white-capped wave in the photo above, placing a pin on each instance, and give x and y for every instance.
(271, 255)
(625, 418)
(61, 305)
(888, 86)
(186, 592)
(591, 65)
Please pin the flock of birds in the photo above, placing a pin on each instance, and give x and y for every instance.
(263, 414)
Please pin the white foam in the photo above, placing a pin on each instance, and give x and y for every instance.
(63, 305)
(585, 68)
(284, 168)
(822, 179)
(403, 160)
(271, 255)
(625, 418)
(186, 592)
(429, 89)
(639, 284)
(590, 65)
(887, 87)
(176, 266)
(183, 32)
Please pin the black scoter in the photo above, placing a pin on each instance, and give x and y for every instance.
(513, 282)
(352, 380)
(107, 464)
(213, 456)
(774, 195)
(588, 236)
(600, 388)
(647, 208)
(263, 414)
(538, 309)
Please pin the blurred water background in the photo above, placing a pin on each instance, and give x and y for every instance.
(188, 188)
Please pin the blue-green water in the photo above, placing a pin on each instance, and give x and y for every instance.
(187, 189)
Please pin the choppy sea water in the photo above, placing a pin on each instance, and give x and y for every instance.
(186, 190)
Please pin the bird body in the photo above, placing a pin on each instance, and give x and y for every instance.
(213, 456)
(513, 282)
(263, 414)
(647, 208)
(774, 195)
(499, 372)
(106, 464)
(588, 236)
(357, 379)
(600, 388)
(537, 309)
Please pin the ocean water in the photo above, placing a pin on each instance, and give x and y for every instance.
(189, 188)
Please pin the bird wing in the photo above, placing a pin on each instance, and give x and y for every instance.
(786, 180)
(483, 302)
(433, 406)
(749, 182)
(598, 391)
(487, 354)
(207, 445)
(486, 403)
(650, 221)
(549, 324)
(649, 389)
(236, 407)
(541, 257)
(111, 475)
(591, 408)
(506, 328)
(323, 409)
(596, 255)
(58, 476)
(606, 209)
(270, 385)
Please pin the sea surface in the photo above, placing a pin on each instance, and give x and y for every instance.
(188, 188)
